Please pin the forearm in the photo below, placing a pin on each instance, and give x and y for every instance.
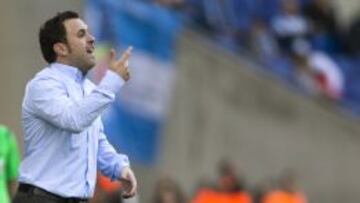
(109, 161)
(50, 101)
(77, 117)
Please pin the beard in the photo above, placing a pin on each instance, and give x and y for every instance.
(84, 62)
(86, 65)
(81, 59)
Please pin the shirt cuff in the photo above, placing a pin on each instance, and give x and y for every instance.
(123, 162)
(111, 82)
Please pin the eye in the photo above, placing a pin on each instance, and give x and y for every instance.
(81, 33)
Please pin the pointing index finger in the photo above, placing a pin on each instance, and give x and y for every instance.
(126, 55)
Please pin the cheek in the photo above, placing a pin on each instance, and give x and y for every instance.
(78, 50)
(77, 46)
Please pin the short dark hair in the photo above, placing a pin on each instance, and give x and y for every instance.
(52, 32)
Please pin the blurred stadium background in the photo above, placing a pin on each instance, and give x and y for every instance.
(211, 98)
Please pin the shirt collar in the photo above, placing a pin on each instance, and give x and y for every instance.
(70, 71)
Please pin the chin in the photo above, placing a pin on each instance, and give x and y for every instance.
(87, 67)
(90, 66)
(91, 63)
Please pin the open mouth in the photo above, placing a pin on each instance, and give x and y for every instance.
(90, 50)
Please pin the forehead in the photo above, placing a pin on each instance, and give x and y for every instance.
(72, 26)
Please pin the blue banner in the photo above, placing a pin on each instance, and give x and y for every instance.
(134, 123)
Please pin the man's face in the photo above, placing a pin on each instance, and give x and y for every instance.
(80, 44)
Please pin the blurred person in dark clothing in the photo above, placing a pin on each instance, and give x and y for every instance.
(325, 29)
(322, 16)
(263, 43)
(228, 180)
(194, 9)
(353, 37)
(168, 191)
(262, 188)
(230, 188)
(287, 192)
(289, 25)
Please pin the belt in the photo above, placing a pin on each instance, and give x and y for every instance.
(31, 189)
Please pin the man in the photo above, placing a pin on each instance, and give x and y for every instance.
(9, 162)
(64, 139)
(230, 187)
(289, 25)
(287, 192)
(317, 73)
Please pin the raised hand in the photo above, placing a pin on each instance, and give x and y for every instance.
(120, 66)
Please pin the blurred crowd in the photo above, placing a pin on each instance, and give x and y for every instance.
(300, 41)
(303, 42)
(228, 187)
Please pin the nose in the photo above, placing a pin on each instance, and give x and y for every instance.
(91, 39)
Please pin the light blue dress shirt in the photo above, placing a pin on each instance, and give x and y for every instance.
(63, 131)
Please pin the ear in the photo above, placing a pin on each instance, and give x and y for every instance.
(60, 49)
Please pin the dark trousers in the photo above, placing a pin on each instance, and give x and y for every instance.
(31, 194)
(30, 198)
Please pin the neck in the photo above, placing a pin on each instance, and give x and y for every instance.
(67, 62)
